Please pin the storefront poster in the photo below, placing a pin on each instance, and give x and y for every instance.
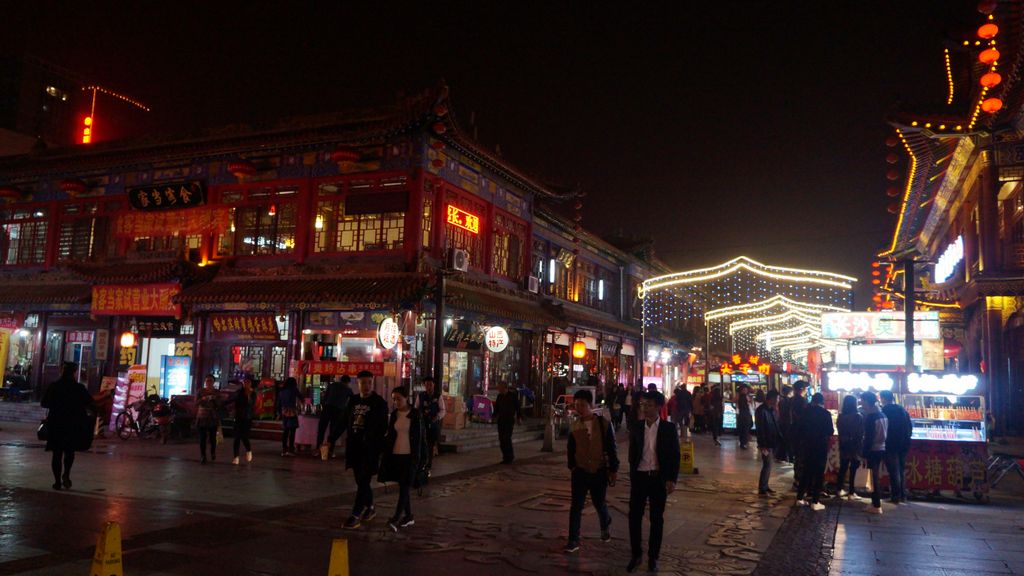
(100, 344)
(388, 333)
(335, 368)
(136, 383)
(175, 375)
(463, 338)
(496, 339)
(5, 342)
(136, 299)
(11, 321)
(244, 327)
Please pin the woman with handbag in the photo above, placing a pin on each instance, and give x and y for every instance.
(208, 418)
(288, 408)
(67, 401)
(403, 450)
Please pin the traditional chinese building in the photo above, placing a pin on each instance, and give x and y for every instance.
(956, 167)
(307, 248)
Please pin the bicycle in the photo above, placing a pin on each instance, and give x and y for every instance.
(145, 425)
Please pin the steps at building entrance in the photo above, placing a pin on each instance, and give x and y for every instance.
(21, 412)
(477, 436)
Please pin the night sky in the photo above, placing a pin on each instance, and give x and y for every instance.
(718, 128)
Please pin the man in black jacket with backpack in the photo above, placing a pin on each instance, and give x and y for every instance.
(594, 462)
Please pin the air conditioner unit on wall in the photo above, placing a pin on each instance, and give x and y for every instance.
(533, 284)
(458, 260)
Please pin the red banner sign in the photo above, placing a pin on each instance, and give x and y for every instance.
(934, 465)
(463, 219)
(244, 327)
(211, 220)
(335, 368)
(135, 299)
(11, 321)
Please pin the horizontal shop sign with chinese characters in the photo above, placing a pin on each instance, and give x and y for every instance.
(334, 368)
(169, 196)
(209, 220)
(243, 327)
(934, 465)
(158, 328)
(136, 299)
(878, 325)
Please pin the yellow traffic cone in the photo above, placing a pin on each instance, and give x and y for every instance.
(339, 558)
(107, 559)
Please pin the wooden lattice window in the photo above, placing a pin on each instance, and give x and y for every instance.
(23, 236)
(361, 215)
(262, 224)
(509, 242)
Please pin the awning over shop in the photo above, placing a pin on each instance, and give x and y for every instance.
(132, 272)
(472, 299)
(20, 295)
(349, 291)
(597, 321)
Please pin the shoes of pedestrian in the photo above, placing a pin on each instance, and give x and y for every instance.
(352, 523)
(717, 443)
(633, 564)
(762, 492)
(213, 457)
(203, 461)
(873, 510)
(56, 485)
(817, 506)
(842, 494)
(369, 514)
(406, 521)
(324, 451)
(606, 535)
(393, 524)
(800, 502)
(572, 547)
(235, 460)
(248, 456)
(66, 480)
(652, 565)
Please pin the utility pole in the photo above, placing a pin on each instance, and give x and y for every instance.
(908, 314)
(439, 327)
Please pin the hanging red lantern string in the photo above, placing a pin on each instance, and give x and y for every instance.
(241, 168)
(989, 56)
(988, 31)
(73, 187)
(10, 194)
(991, 80)
(992, 105)
(345, 154)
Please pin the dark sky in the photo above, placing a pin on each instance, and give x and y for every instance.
(718, 128)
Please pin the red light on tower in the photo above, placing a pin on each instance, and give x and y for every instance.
(87, 130)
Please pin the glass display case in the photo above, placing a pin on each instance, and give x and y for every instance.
(946, 417)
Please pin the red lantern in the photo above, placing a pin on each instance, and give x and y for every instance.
(579, 350)
(876, 281)
(893, 174)
(992, 105)
(10, 194)
(893, 208)
(892, 158)
(951, 348)
(988, 56)
(437, 163)
(892, 141)
(127, 339)
(440, 110)
(888, 304)
(578, 205)
(437, 145)
(991, 80)
(892, 191)
(241, 168)
(876, 273)
(439, 128)
(987, 6)
(988, 31)
(345, 154)
(876, 264)
(73, 187)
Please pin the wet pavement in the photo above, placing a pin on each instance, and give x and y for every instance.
(279, 516)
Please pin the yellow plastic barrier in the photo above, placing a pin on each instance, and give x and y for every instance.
(339, 558)
(686, 457)
(107, 559)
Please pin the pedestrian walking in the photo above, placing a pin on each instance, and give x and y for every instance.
(653, 472)
(364, 441)
(628, 406)
(682, 407)
(245, 401)
(66, 423)
(850, 427)
(594, 463)
(876, 427)
(433, 411)
(815, 431)
(768, 438)
(698, 410)
(506, 411)
(897, 444)
(716, 413)
(744, 417)
(784, 454)
(619, 405)
(331, 425)
(208, 406)
(404, 448)
(797, 407)
(288, 399)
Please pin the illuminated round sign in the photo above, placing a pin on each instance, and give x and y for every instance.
(496, 339)
(388, 333)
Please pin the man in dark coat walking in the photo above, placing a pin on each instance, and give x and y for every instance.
(768, 438)
(897, 444)
(506, 411)
(367, 429)
(67, 423)
(653, 472)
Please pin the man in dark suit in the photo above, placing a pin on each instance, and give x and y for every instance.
(653, 471)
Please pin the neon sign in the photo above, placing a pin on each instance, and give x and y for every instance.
(739, 365)
(462, 219)
(947, 263)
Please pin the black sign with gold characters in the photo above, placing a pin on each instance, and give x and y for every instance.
(169, 196)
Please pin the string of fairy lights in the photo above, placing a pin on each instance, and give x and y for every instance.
(749, 305)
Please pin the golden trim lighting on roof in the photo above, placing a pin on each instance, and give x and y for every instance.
(906, 193)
